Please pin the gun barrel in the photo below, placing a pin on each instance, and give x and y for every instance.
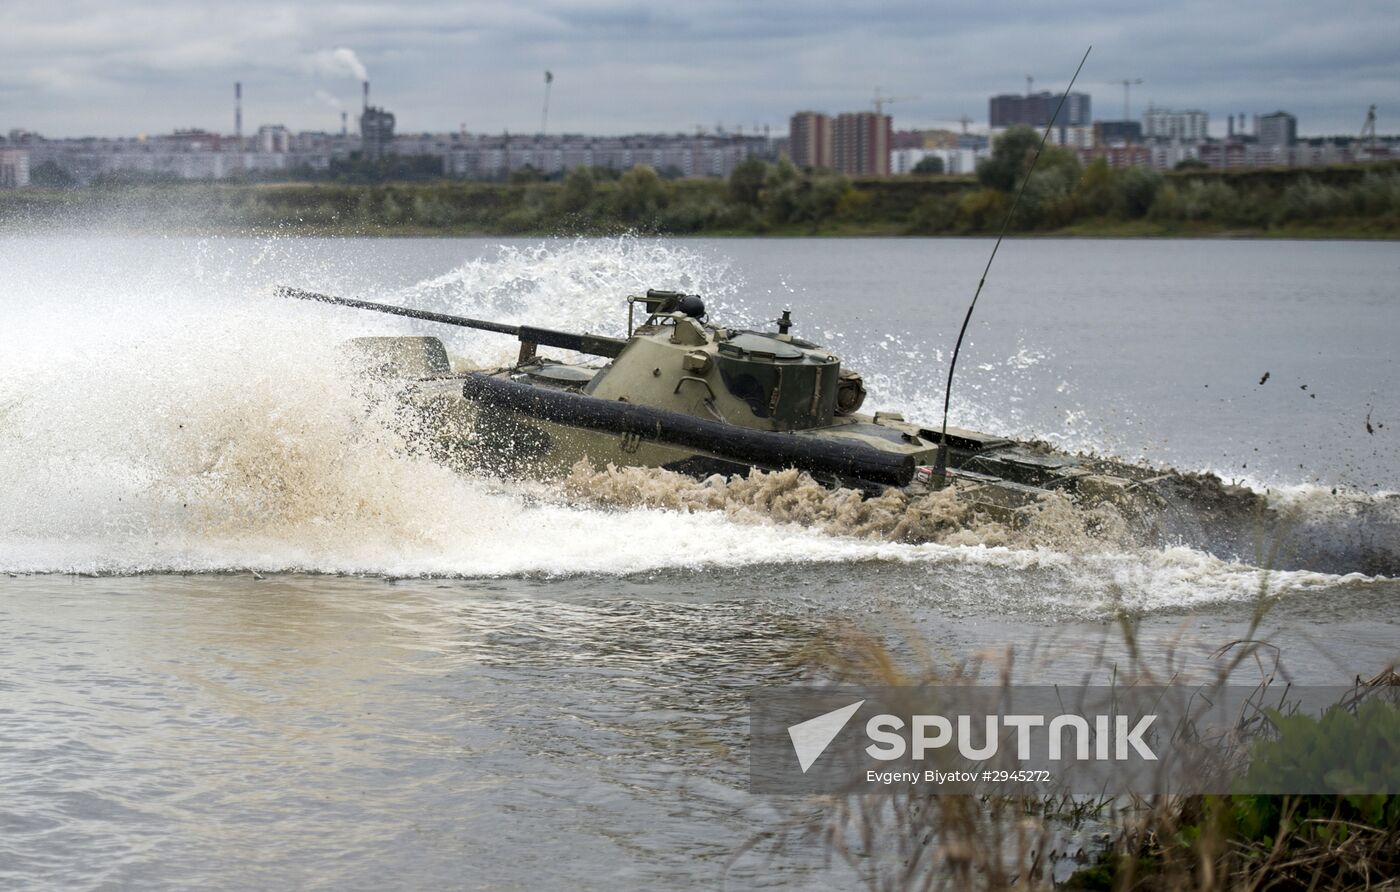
(594, 345)
(463, 321)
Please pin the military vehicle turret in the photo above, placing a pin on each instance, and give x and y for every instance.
(682, 393)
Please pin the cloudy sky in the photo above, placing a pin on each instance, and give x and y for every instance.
(82, 67)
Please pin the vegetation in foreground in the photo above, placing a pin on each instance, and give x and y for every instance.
(1061, 198)
(923, 840)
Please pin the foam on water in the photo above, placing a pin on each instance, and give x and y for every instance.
(579, 284)
(159, 411)
(187, 422)
(1081, 560)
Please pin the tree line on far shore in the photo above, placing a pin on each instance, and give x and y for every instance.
(1061, 194)
(761, 197)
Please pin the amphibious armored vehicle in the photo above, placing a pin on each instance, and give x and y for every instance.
(681, 393)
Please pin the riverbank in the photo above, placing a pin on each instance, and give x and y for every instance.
(1061, 200)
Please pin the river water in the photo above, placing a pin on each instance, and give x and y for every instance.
(250, 641)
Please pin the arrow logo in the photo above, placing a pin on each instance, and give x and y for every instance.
(811, 738)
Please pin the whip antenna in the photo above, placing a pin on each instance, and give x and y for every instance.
(941, 463)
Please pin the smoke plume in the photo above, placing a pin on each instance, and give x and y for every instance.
(328, 99)
(339, 62)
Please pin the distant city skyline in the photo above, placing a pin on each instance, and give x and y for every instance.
(82, 68)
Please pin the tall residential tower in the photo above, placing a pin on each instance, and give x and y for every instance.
(861, 144)
(810, 139)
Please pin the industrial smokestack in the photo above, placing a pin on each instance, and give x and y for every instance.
(344, 129)
(366, 95)
(238, 111)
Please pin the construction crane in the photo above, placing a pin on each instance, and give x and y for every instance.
(1368, 133)
(1128, 84)
(881, 99)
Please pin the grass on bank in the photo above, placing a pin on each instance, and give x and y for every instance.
(917, 839)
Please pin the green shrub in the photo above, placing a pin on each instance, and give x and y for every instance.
(982, 210)
(639, 198)
(934, 215)
(1138, 187)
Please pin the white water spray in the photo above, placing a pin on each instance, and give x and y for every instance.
(160, 411)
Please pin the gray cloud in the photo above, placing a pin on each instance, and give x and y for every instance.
(72, 67)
